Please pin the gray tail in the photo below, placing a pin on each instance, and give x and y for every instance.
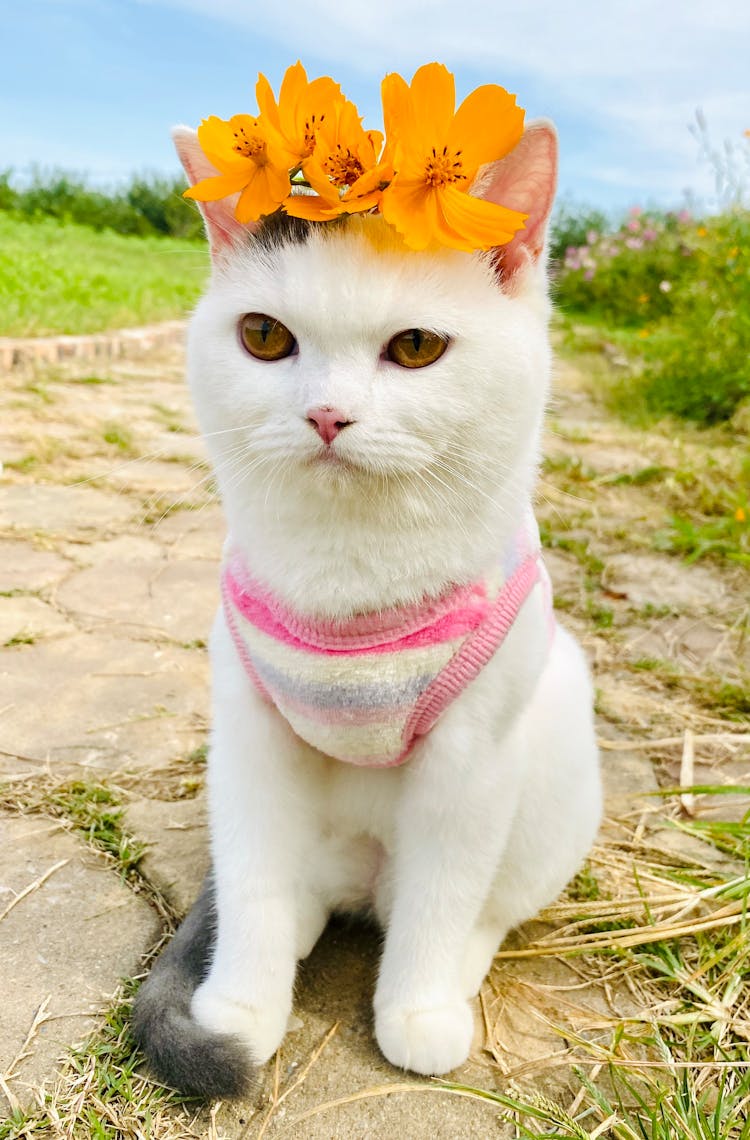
(181, 1053)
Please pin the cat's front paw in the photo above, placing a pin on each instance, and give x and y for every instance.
(429, 1041)
(260, 1028)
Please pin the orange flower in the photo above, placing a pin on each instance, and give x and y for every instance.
(740, 515)
(249, 162)
(343, 169)
(437, 152)
(302, 108)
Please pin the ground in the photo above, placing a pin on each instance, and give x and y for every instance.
(111, 535)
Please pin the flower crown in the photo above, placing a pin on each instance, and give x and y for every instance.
(418, 178)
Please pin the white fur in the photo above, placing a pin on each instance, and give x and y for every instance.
(496, 808)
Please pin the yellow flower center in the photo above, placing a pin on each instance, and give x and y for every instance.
(442, 168)
(249, 146)
(342, 167)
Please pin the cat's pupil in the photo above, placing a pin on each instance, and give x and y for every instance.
(265, 329)
(416, 339)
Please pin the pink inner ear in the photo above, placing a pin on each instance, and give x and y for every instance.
(222, 228)
(524, 180)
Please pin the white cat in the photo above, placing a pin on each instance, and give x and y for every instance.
(366, 494)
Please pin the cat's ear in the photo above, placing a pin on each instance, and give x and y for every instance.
(524, 180)
(223, 230)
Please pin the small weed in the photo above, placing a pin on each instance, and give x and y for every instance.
(649, 611)
(22, 465)
(573, 467)
(585, 885)
(38, 388)
(602, 616)
(169, 418)
(199, 755)
(157, 508)
(22, 638)
(92, 809)
(727, 537)
(646, 475)
(727, 699)
(650, 665)
(119, 436)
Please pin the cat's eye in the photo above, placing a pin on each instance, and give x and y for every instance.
(416, 348)
(265, 338)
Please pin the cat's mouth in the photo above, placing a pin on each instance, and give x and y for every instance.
(329, 459)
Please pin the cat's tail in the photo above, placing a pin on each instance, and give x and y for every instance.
(180, 1052)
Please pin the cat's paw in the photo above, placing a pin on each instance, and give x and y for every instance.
(260, 1028)
(428, 1041)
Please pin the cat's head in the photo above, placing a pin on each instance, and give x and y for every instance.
(302, 357)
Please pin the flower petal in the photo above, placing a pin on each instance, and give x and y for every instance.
(411, 208)
(211, 189)
(471, 223)
(259, 196)
(372, 180)
(267, 104)
(487, 126)
(319, 181)
(433, 93)
(311, 207)
(396, 99)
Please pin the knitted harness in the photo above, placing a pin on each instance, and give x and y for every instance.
(363, 690)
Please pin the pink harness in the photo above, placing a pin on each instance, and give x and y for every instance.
(363, 690)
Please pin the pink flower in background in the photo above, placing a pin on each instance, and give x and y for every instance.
(650, 234)
(635, 211)
(592, 237)
(684, 216)
(588, 275)
(634, 243)
(634, 226)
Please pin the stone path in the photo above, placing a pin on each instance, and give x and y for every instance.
(109, 541)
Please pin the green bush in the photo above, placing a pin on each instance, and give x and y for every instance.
(147, 205)
(629, 275)
(698, 362)
(682, 289)
(573, 226)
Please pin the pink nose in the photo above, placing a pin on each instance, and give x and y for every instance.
(327, 422)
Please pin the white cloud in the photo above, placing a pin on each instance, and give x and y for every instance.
(625, 77)
(593, 39)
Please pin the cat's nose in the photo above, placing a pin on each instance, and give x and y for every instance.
(327, 422)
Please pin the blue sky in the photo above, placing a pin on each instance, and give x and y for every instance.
(93, 86)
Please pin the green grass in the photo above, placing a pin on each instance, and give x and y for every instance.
(57, 277)
(92, 809)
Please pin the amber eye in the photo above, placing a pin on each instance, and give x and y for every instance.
(266, 338)
(416, 348)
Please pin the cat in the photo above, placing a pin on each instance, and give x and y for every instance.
(363, 495)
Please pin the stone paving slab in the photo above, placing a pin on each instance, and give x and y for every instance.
(68, 943)
(28, 619)
(176, 834)
(25, 567)
(57, 510)
(103, 702)
(158, 598)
